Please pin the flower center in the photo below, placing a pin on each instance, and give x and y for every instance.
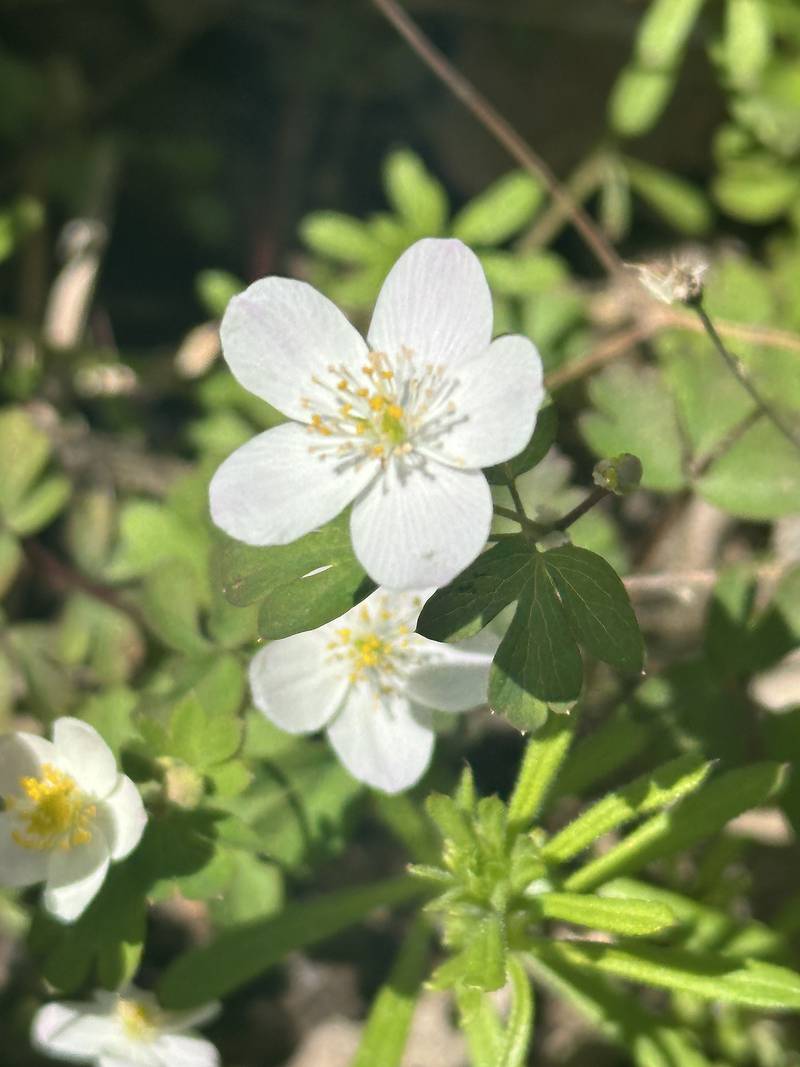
(377, 650)
(139, 1022)
(387, 407)
(55, 813)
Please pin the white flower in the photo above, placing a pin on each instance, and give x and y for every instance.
(373, 684)
(399, 425)
(126, 1029)
(68, 813)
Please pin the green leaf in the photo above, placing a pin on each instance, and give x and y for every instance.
(520, 274)
(638, 98)
(746, 42)
(634, 413)
(697, 816)
(171, 603)
(111, 714)
(10, 559)
(609, 747)
(664, 30)
(415, 194)
(758, 189)
(757, 478)
(313, 600)
(24, 452)
(386, 1030)
(538, 657)
(596, 606)
(707, 927)
(500, 211)
(750, 983)
(254, 890)
(339, 237)
(544, 755)
(483, 961)
(542, 438)
(237, 956)
(480, 1023)
(40, 505)
(215, 288)
(517, 1034)
(619, 1016)
(281, 577)
(676, 200)
(192, 734)
(479, 593)
(651, 791)
(630, 917)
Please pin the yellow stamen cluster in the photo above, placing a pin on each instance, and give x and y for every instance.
(374, 651)
(139, 1022)
(57, 816)
(368, 405)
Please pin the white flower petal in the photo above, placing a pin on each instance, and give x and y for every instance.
(436, 302)
(90, 760)
(278, 334)
(422, 526)
(74, 877)
(496, 401)
(22, 756)
(123, 817)
(19, 866)
(295, 684)
(194, 1017)
(179, 1050)
(273, 489)
(385, 747)
(450, 678)
(71, 1032)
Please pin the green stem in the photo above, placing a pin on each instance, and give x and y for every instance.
(735, 366)
(597, 494)
(544, 754)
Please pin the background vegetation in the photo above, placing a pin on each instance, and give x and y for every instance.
(159, 154)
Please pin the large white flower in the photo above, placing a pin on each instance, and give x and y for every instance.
(372, 684)
(400, 425)
(126, 1029)
(68, 813)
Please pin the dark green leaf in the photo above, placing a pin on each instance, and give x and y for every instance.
(596, 605)
(479, 593)
(312, 601)
(538, 657)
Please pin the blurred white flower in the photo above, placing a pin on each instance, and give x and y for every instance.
(373, 685)
(67, 813)
(399, 425)
(126, 1029)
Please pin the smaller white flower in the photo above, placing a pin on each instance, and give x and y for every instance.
(125, 1029)
(372, 684)
(67, 814)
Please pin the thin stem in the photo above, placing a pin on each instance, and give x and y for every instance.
(580, 185)
(508, 513)
(734, 365)
(596, 495)
(512, 488)
(501, 130)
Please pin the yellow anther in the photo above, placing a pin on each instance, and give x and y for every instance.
(377, 402)
(346, 409)
(377, 451)
(362, 392)
(394, 411)
(342, 384)
(387, 374)
(57, 816)
(139, 1022)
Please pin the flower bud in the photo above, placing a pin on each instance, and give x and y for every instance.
(620, 475)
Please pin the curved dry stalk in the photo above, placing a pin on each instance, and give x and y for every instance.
(501, 130)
